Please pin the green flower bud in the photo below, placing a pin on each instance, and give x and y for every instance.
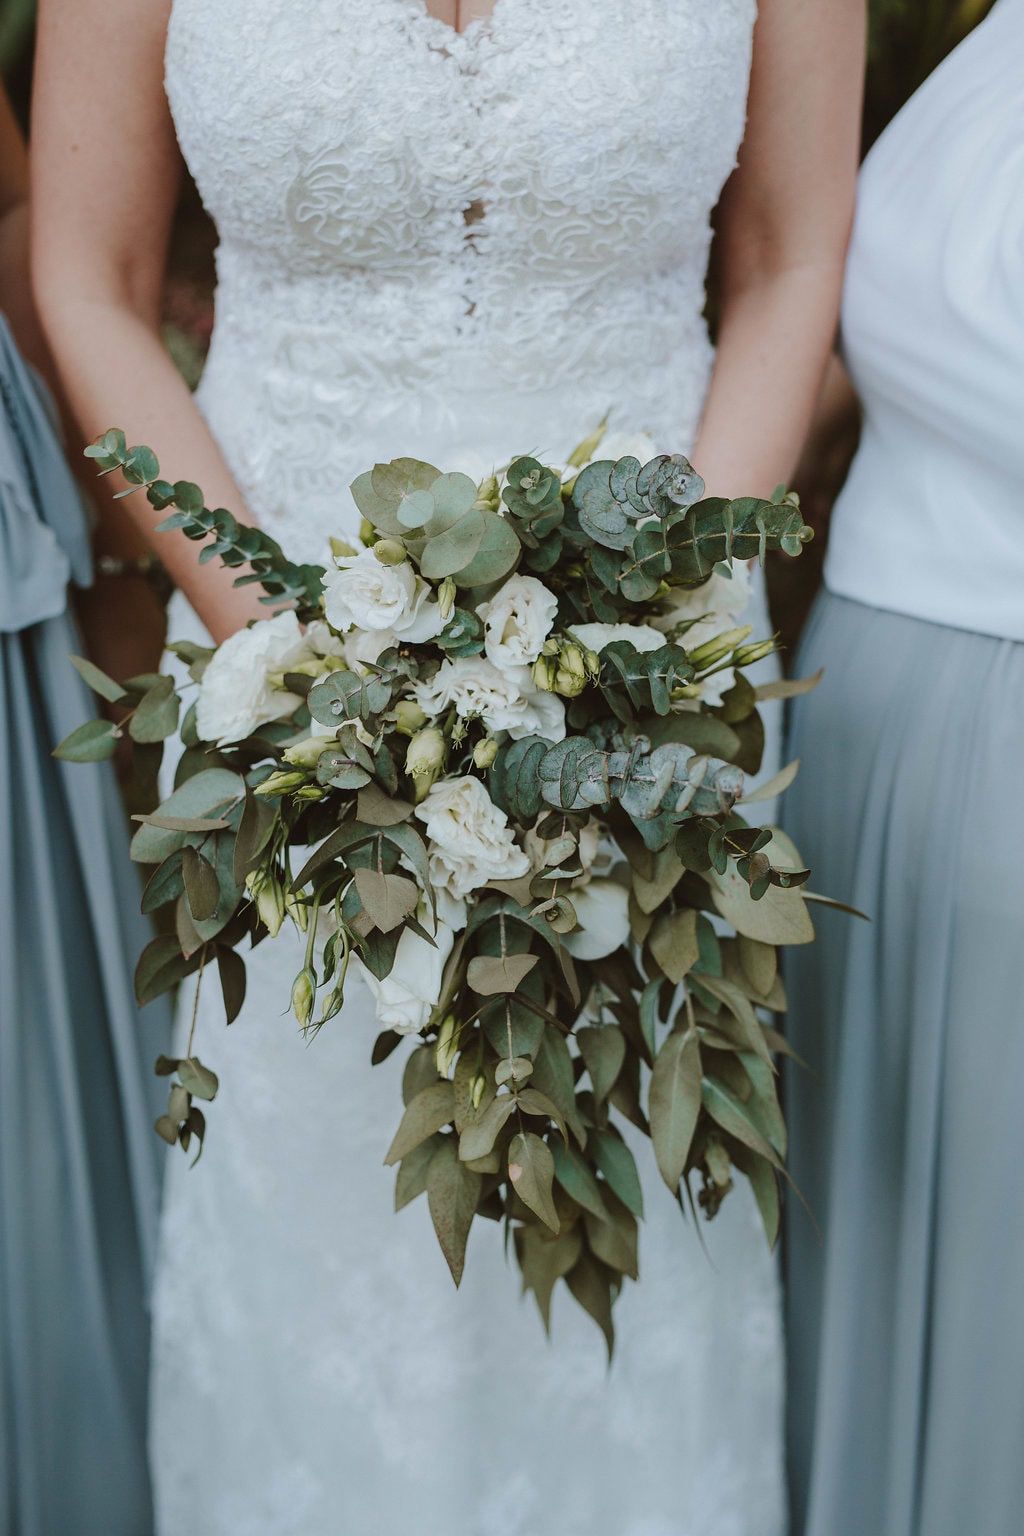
(342, 551)
(478, 1089)
(593, 661)
(748, 654)
(367, 532)
(281, 783)
(719, 648)
(572, 675)
(297, 910)
(544, 674)
(447, 1047)
(424, 759)
(390, 551)
(306, 754)
(303, 997)
(485, 752)
(409, 718)
(266, 892)
(310, 792)
(446, 598)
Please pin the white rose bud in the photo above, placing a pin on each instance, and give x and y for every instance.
(446, 598)
(485, 752)
(303, 997)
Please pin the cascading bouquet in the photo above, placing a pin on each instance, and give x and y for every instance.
(493, 761)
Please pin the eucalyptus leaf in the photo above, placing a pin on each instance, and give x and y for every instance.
(675, 1102)
(431, 1109)
(453, 1191)
(531, 1171)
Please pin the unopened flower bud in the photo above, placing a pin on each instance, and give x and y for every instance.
(719, 648)
(593, 661)
(280, 783)
(367, 532)
(310, 792)
(266, 892)
(390, 551)
(485, 752)
(424, 759)
(297, 910)
(306, 754)
(447, 1047)
(748, 654)
(478, 1089)
(303, 997)
(544, 674)
(446, 598)
(409, 718)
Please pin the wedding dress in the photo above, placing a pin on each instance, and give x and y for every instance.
(434, 244)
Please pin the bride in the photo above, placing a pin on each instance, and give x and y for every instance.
(444, 228)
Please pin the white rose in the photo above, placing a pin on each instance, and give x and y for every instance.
(517, 621)
(625, 445)
(235, 696)
(504, 701)
(409, 994)
(602, 907)
(594, 637)
(361, 593)
(469, 838)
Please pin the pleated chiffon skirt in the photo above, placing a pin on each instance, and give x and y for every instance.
(79, 1162)
(905, 1315)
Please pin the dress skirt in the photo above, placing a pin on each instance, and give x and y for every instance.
(79, 1161)
(905, 1332)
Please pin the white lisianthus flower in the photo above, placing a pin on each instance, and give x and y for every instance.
(504, 701)
(409, 994)
(717, 606)
(602, 907)
(361, 647)
(624, 445)
(469, 839)
(361, 593)
(517, 621)
(594, 637)
(236, 696)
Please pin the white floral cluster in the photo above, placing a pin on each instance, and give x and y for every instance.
(376, 599)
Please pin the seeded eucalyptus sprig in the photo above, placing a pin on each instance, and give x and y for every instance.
(234, 543)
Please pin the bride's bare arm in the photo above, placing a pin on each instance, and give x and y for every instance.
(105, 176)
(783, 228)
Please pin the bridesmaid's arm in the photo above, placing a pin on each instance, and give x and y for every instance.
(105, 177)
(783, 228)
(15, 292)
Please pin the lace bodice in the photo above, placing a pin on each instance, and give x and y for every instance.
(417, 224)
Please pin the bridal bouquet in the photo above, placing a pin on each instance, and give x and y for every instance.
(493, 761)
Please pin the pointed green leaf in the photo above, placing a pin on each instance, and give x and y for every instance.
(453, 1191)
(531, 1171)
(603, 1050)
(618, 1166)
(92, 742)
(432, 1108)
(675, 1101)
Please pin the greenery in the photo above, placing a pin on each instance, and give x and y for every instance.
(467, 832)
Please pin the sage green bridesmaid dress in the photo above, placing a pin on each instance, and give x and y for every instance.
(79, 1165)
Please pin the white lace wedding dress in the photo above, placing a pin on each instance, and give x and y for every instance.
(430, 244)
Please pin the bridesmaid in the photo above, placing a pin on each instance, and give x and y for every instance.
(906, 1346)
(78, 1157)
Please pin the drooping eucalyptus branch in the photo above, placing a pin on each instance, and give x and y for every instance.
(234, 544)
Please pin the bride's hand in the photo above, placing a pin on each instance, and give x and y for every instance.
(104, 187)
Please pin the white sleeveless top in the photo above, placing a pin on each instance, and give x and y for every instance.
(931, 520)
